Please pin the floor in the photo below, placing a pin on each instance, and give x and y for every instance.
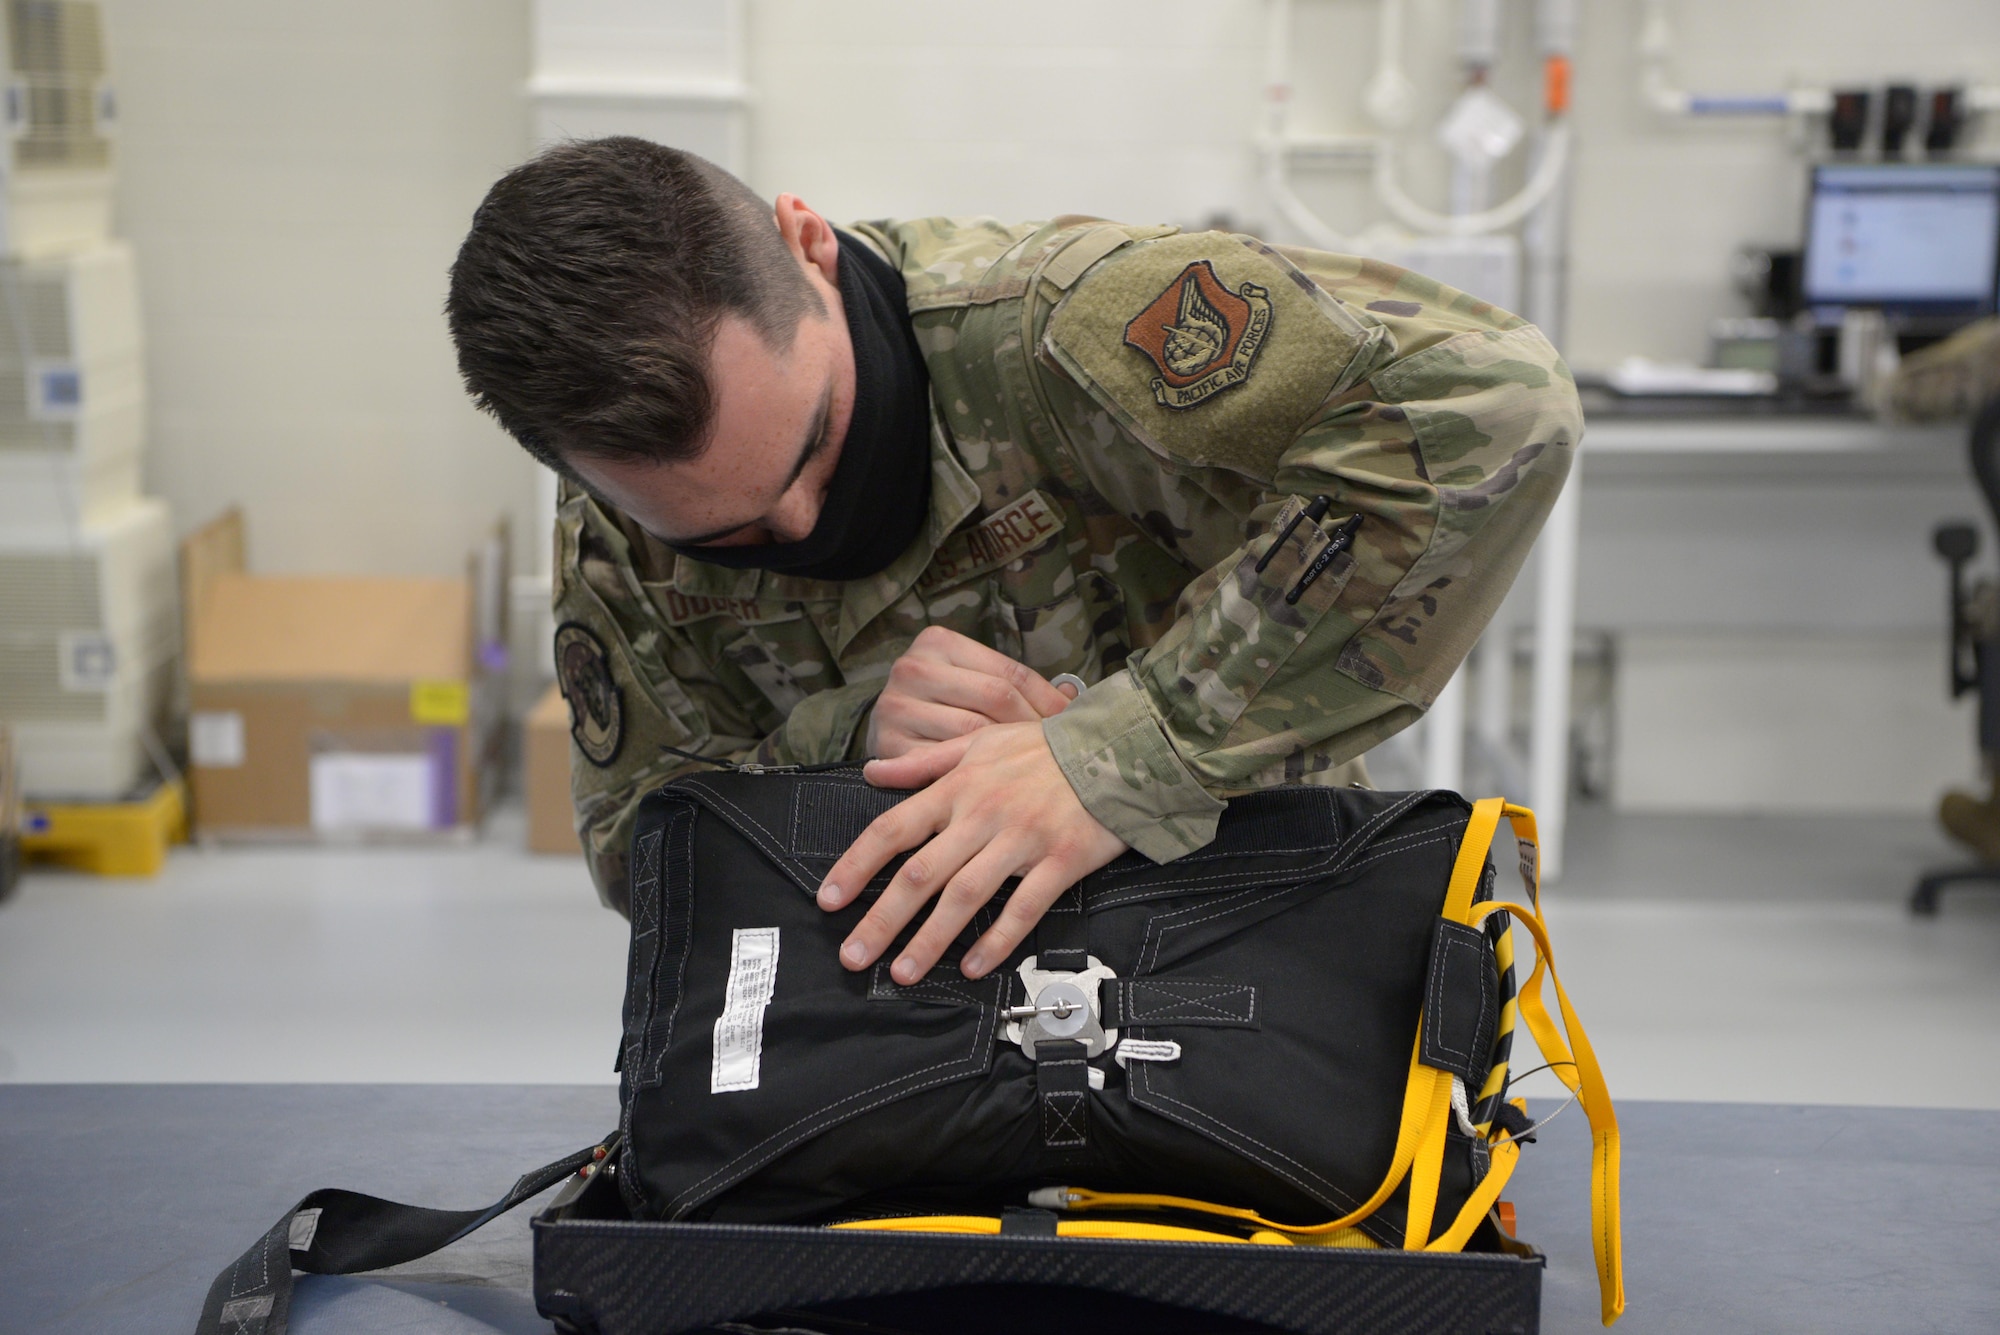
(1732, 959)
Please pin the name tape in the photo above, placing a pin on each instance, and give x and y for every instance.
(1007, 533)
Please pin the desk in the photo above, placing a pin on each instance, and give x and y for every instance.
(119, 1203)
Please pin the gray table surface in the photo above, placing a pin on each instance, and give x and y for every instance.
(119, 1203)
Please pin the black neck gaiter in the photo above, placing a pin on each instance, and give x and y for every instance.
(880, 495)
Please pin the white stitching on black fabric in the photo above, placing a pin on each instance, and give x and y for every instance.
(1203, 1001)
(1482, 1037)
(759, 834)
(1061, 1121)
(1158, 926)
(882, 987)
(1336, 860)
(1190, 859)
(1333, 1196)
(680, 967)
(1435, 1021)
(809, 1126)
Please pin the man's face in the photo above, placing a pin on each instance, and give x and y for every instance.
(780, 420)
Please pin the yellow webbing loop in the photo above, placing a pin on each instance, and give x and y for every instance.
(1427, 1113)
(1466, 870)
(1580, 1073)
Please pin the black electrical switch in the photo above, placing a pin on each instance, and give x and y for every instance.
(1899, 117)
(1947, 118)
(1849, 121)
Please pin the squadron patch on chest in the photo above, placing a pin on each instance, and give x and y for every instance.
(1009, 532)
(596, 706)
(1200, 335)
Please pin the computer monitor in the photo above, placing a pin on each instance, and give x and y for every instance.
(1915, 240)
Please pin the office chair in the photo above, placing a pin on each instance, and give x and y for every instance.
(1975, 665)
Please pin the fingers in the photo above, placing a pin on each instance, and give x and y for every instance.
(901, 724)
(1040, 888)
(997, 696)
(961, 897)
(902, 827)
(1041, 699)
(935, 867)
(917, 768)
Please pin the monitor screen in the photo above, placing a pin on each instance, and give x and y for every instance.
(1918, 238)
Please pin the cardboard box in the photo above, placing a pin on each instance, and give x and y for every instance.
(335, 707)
(545, 754)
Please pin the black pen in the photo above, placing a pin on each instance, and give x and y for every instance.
(1342, 539)
(1314, 512)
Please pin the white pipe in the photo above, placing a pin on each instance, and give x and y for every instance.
(1479, 33)
(1277, 108)
(1656, 46)
(1471, 187)
(1555, 630)
(1555, 27)
(1493, 706)
(1547, 174)
(1390, 97)
(1545, 247)
(1444, 736)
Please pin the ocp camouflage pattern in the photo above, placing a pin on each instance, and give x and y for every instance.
(1085, 520)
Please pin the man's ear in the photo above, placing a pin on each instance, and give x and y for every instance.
(808, 236)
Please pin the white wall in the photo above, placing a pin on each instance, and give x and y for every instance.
(296, 178)
(1144, 110)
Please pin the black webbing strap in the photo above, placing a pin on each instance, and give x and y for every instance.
(1062, 1082)
(336, 1232)
(1062, 937)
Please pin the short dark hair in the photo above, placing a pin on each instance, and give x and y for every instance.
(585, 299)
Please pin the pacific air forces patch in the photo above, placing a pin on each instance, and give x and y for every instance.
(1200, 335)
(596, 707)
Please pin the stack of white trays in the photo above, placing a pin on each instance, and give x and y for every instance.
(89, 615)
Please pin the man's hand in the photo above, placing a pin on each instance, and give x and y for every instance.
(947, 686)
(999, 807)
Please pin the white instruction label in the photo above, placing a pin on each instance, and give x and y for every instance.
(739, 1033)
(215, 738)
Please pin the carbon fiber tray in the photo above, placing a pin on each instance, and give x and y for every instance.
(617, 1277)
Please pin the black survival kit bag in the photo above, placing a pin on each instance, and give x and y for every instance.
(1264, 1082)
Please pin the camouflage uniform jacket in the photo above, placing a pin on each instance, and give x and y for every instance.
(1126, 423)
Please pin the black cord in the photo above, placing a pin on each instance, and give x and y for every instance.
(706, 760)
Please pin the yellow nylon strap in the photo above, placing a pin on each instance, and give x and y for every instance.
(1066, 1228)
(1429, 1160)
(1505, 1155)
(1429, 1166)
(1472, 850)
(1581, 1074)
(1426, 1091)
